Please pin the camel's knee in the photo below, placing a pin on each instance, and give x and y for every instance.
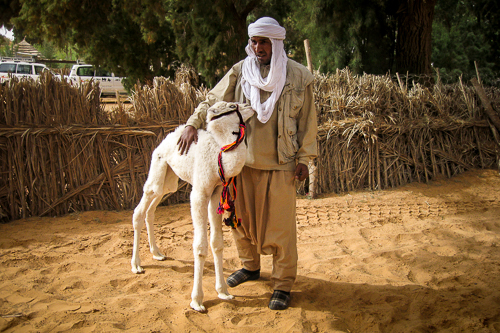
(217, 245)
(146, 206)
(151, 191)
(200, 249)
(200, 252)
(138, 219)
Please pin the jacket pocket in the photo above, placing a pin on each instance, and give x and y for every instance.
(293, 100)
(296, 102)
(291, 144)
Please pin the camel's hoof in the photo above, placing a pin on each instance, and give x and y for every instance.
(159, 257)
(226, 296)
(137, 270)
(197, 306)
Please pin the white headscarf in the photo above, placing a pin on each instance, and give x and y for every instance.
(252, 81)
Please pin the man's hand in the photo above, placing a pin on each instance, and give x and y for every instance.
(301, 172)
(188, 136)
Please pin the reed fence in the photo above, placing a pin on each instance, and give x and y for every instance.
(61, 152)
(376, 133)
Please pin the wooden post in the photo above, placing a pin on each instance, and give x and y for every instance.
(308, 55)
(312, 166)
(492, 114)
(117, 94)
(494, 121)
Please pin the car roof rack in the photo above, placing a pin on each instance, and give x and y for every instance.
(16, 59)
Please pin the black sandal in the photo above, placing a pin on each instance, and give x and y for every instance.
(241, 276)
(280, 300)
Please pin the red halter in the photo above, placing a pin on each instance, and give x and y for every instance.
(226, 202)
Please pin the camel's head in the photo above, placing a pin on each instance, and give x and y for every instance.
(221, 110)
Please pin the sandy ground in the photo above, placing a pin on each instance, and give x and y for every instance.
(422, 258)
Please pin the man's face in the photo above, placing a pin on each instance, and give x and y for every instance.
(263, 49)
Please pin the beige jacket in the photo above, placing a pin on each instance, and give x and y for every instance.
(289, 137)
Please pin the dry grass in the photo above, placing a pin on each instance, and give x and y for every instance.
(60, 151)
(377, 133)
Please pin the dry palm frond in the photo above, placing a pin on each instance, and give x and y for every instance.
(60, 152)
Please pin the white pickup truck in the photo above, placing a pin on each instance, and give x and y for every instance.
(18, 67)
(108, 82)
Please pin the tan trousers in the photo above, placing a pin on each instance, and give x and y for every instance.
(266, 205)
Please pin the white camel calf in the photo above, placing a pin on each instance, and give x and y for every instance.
(199, 167)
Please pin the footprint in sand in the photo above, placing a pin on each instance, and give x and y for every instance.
(56, 306)
(18, 299)
(62, 306)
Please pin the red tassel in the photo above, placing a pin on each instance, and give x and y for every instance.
(226, 203)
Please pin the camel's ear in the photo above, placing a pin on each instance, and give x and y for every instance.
(246, 111)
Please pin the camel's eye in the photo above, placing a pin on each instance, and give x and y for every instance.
(232, 106)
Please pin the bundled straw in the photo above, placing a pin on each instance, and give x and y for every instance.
(376, 133)
(166, 99)
(60, 152)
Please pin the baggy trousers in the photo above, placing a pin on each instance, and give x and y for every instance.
(265, 202)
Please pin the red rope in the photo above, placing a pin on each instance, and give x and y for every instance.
(226, 202)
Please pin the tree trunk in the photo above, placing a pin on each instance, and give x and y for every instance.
(413, 43)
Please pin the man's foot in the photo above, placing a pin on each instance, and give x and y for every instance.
(280, 300)
(241, 276)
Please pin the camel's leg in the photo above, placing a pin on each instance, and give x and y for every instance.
(153, 192)
(169, 185)
(217, 244)
(150, 218)
(199, 204)
(138, 220)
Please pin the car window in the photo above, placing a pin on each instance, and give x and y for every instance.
(102, 72)
(85, 71)
(23, 69)
(39, 69)
(7, 68)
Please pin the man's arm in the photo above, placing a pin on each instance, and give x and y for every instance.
(223, 91)
(307, 129)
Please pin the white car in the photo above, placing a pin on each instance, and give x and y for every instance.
(20, 69)
(108, 82)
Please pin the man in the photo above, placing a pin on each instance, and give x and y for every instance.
(281, 141)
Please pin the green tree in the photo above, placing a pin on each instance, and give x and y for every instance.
(114, 34)
(465, 33)
(8, 10)
(51, 51)
(211, 36)
(487, 13)
(7, 49)
(146, 38)
(372, 36)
